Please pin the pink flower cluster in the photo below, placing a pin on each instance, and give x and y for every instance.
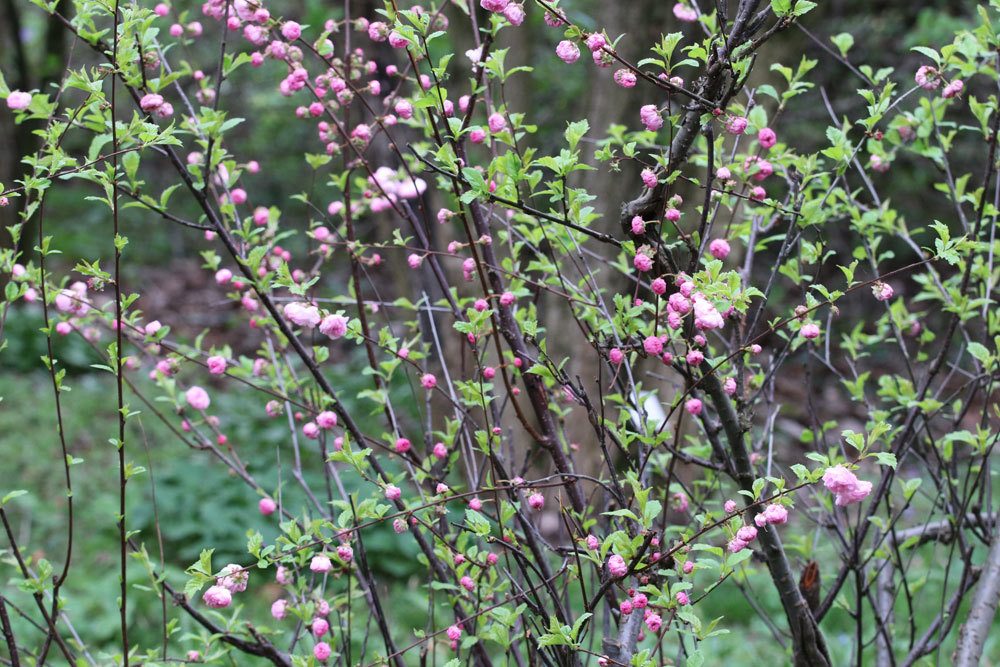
(744, 536)
(231, 579)
(155, 104)
(773, 514)
(845, 485)
(18, 100)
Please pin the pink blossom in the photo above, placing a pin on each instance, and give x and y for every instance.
(326, 419)
(845, 486)
(334, 326)
(310, 430)
(397, 41)
(617, 566)
(642, 262)
(879, 164)
(856, 495)
(291, 31)
(809, 331)
(322, 651)
(625, 78)
(654, 622)
(19, 101)
(775, 514)
(761, 168)
(568, 51)
(477, 135)
(882, 291)
(467, 583)
(746, 534)
(279, 609)
(514, 13)
(402, 445)
(927, 77)
(693, 406)
(678, 303)
(651, 118)
(439, 451)
(684, 13)
(233, 577)
(149, 102)
(706, 317)
(625, 607)
(659, 286)
(302, 314)
(649, 178)
(536, 501)
(404, 109)
(735, 545)
(197, 398)
(593, 543)
(494, 5)
(393, 492)
(688, 567)
(653, 345)
(723, 173)
(952, 89)
(596, 42)
(218, 597)
(320, 627)
(729, 507)
(216, 365)
(267, 506)
(736, 125)
(378, 31)
(428, 381)
(694, 357)
(320, 564)
(638, 225)
(766, 138)
(681, 502)
(719, 248)
(496, 122)
(345, 553)
(454, 633)
(615, 355)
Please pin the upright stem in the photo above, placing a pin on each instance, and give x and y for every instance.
(122, 541)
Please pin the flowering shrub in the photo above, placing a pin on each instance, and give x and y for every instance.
(573, 423)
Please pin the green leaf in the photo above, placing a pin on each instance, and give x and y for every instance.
(844, 41)
(980, 352)
(803, 7)
(10, 496)
(781, 7)
(575, 132)
(886, 459)
(651, 512)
